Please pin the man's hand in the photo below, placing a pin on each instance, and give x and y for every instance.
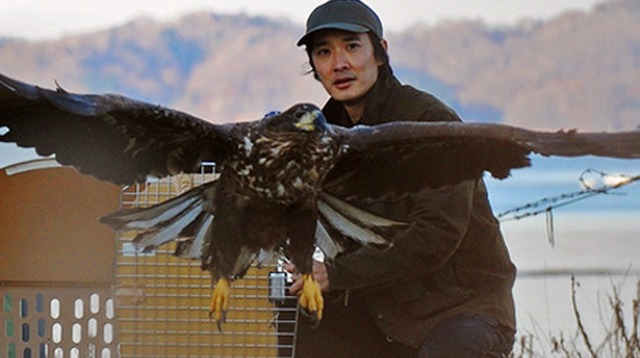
(319, 272)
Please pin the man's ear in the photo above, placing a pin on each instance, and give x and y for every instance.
(385, 45)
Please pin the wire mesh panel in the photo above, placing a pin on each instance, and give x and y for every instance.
(163, 301)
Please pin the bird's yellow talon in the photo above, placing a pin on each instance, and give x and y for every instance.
(220, 300)
(310, 297)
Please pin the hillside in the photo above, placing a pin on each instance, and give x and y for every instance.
(577, 70)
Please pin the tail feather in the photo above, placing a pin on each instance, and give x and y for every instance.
(194, 246)
(146, 218)
(267, 257)
(185, 219)
(359, 216)
(169, 230)
(327, 244)
(361, 226)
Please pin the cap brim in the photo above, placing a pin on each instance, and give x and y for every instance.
(304, 40)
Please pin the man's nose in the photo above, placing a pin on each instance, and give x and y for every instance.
(340, 61)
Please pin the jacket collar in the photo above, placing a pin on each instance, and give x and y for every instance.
(374, 103)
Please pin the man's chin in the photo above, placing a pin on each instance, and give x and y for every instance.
(348, 99)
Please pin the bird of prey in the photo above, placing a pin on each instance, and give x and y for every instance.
(278, 175)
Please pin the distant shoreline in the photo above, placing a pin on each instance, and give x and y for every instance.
(583, 272)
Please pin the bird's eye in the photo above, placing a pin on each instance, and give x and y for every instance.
(299, 113)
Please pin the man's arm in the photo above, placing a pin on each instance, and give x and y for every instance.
(439, 218)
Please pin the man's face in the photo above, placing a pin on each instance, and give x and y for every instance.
(345, 64)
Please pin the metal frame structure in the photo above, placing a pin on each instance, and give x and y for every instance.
(162, 300)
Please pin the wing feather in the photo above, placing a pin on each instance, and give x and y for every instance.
(112, 137)
(400, 157)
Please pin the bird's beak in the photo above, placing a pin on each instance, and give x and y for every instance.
(308, 121)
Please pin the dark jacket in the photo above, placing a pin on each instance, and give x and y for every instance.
(451, 260)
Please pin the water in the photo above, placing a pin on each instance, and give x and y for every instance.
(597, 240)
(602, 250)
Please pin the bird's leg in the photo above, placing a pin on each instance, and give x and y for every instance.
(302, 234)
(310, 297)
(220, 301)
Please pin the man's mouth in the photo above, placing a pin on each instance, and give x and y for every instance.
(342, 83)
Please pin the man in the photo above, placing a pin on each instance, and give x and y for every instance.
(444, 288)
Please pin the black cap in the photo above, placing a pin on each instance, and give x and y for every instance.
(347, 15)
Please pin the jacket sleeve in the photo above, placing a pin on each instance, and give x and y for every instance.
(439, 220)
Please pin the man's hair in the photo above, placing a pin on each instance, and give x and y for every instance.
(379, 53)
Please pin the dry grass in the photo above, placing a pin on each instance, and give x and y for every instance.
(621, 337)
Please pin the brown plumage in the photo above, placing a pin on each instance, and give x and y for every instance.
(277, 174)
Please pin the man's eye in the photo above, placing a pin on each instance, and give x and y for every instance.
(322, 52)
(353, 46)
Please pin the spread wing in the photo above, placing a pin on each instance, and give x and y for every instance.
(405, 156)
(111, 137)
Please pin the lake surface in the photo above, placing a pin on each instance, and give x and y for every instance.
(596, 239)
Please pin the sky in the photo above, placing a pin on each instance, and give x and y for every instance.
(47, 19)
(50, 19)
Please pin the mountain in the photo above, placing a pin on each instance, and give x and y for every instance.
(578, 70)
(219, 67)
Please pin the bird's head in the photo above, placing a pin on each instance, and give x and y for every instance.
(304, 117)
